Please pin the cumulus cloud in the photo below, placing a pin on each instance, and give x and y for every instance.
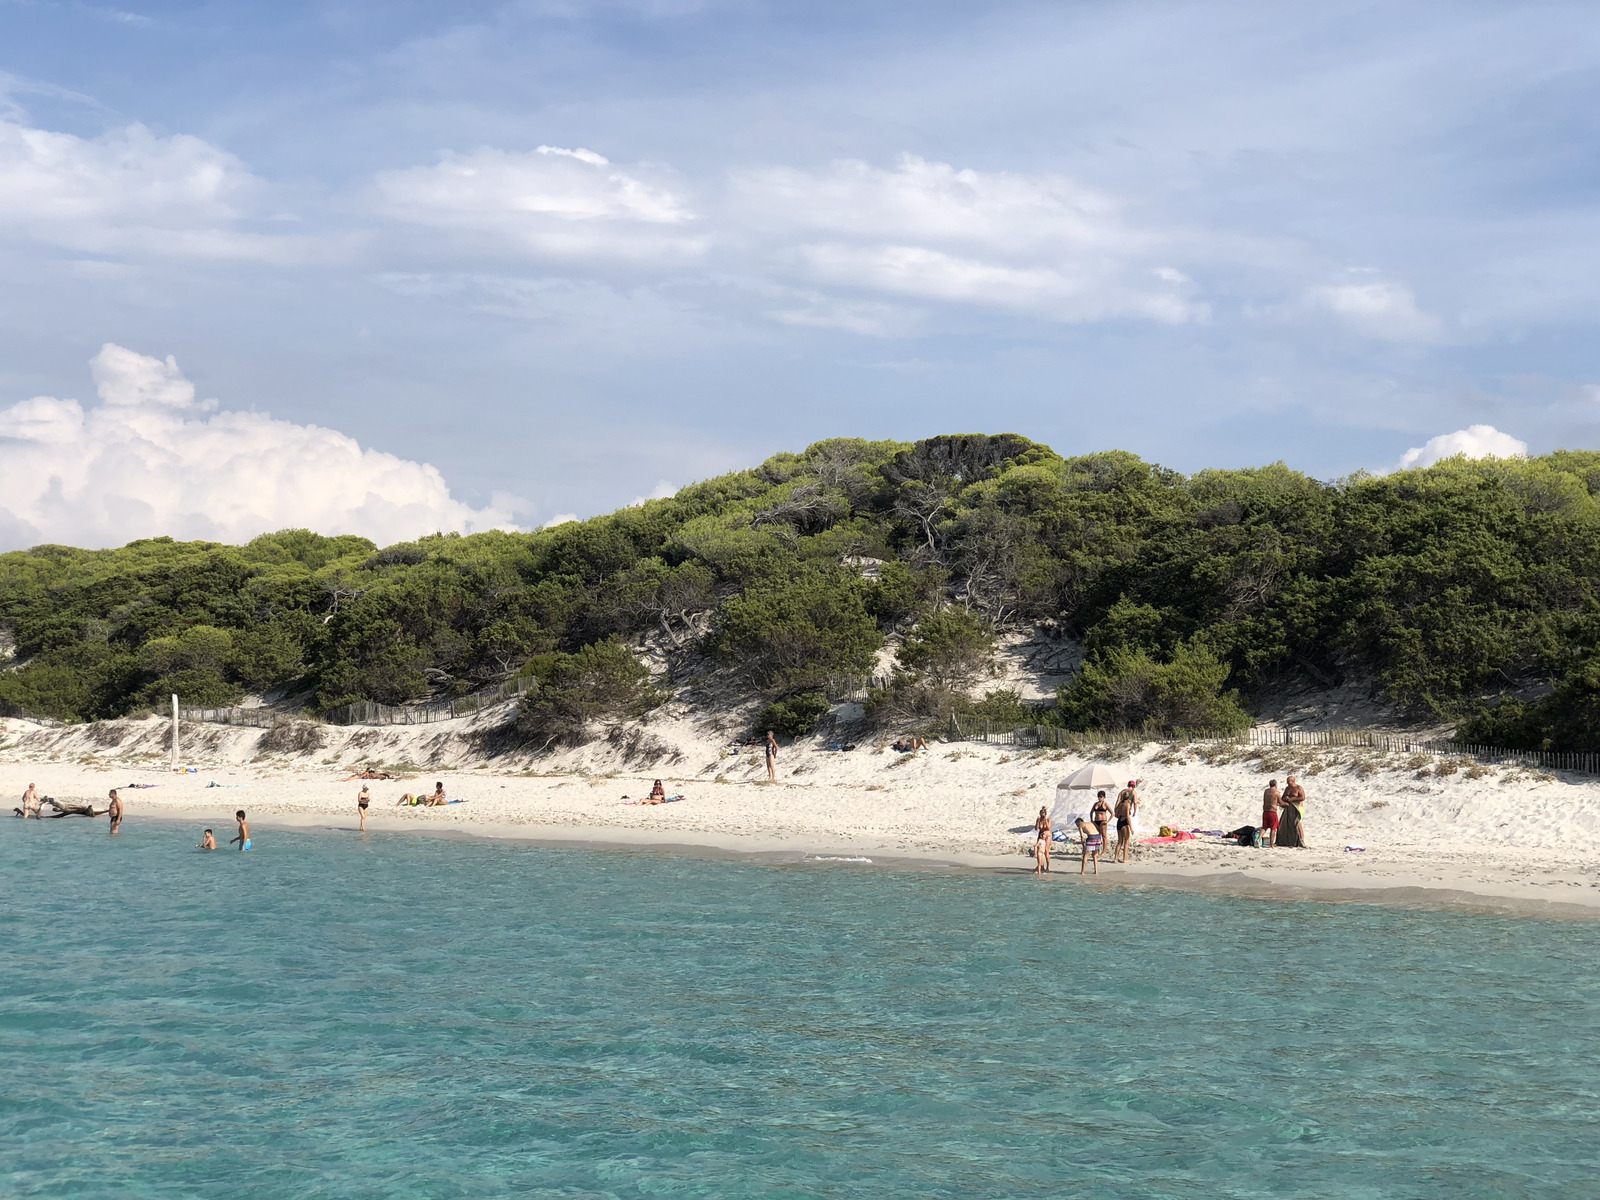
(150, 459)
(1475, 441)
(130, 192)
(553, 201)
(662, 491)
(1041, 244)
(1377, 308)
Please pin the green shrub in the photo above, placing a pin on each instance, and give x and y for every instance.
(1128, 689)
(601, 681)
(794, 715)
(948, 648)
(798, 629)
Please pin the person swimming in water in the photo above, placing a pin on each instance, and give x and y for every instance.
(207, 842)
(244, 832)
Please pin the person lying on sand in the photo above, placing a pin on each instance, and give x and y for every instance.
(369, 773)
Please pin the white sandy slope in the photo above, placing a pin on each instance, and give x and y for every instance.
(1505, 835)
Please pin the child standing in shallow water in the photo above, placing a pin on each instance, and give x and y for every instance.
(244, 832)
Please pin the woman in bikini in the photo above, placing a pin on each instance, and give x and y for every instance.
(1041, 848)
(364, 799)
(1100, 815)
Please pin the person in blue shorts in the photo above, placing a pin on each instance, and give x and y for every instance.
(244, 831)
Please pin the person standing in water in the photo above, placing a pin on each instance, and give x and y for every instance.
(32, 806)
(207, 842)
(364, 799)
(772, 758)
(115, 812)
(1041, 848)
(1127, 807)
(244, 832)
(1269, 812)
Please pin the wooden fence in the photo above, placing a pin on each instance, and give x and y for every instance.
(1053, 737)
(260, 718)
(368, 713)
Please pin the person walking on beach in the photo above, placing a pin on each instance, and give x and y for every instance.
(1041, 847)
(1127, 807)
(1100, 817)
(1269, 812)
(772, 758)
(362, 800)
(115, 812)
(244, 832)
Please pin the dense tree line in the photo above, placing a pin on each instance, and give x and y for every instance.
(1448, 588)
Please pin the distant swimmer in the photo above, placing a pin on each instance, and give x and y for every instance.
(244, 832)
(364, 799)
(115, 811)
(207, 842)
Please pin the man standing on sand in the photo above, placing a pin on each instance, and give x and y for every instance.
(1269, 811)
(772, 758)
(115, 812)
(1127, 806)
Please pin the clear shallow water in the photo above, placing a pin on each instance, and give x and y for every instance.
(403, 1017)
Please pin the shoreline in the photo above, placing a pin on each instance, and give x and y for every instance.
(1444, 891)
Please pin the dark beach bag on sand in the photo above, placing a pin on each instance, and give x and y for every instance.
(1248, 836)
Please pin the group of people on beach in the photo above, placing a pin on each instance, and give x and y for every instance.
(32, 808)
(1092, 830)
(1282, 816)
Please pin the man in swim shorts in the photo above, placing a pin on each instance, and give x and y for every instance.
(1093, 843)
(32, 806)
(115, 811)
(1269, 812)
(1127, 806)
(244, 832)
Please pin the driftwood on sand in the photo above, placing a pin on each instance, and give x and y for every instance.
(64, 809)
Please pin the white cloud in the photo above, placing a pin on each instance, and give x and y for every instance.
(1475, 441)
(1377, 308)
(149, 460)
(1040, 244)
(130, 192)
(662, 491)
(554, 201)
(560, 519)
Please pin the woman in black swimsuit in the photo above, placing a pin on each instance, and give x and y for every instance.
(1100, 815)
(364, 799)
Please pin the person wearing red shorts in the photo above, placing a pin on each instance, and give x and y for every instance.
(1269, 812)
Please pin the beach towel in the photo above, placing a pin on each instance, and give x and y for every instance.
(668, 800)
(1180, 836)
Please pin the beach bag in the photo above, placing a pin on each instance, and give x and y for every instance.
(1260, 839)
(1249, 836)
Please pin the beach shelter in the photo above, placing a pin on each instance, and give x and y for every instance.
(1074, 793)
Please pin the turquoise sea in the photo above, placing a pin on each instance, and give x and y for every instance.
(333, 1015)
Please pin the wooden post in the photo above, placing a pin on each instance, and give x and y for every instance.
(174, 731)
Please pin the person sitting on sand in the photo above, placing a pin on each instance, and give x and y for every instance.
(437, 799)
(658, 794)
(1094, 842)
(207, 842)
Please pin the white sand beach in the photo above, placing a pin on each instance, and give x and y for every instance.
(1433, 830)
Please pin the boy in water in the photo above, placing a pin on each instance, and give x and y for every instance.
(207, 842)
(244, 832)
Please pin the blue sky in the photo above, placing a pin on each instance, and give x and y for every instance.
(573, 254)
